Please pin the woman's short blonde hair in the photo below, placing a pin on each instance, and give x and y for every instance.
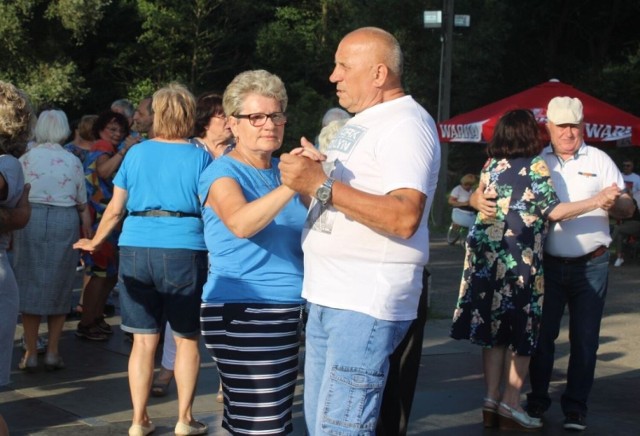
(468, 179)
(174, 112)
(17, 120)
(259, 82)
(85, 127)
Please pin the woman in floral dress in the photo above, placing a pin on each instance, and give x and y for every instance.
(501, 294)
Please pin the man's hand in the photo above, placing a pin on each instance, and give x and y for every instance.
(606, 198)
(302, 174)
(482, 201)
(130, 141)
(301, 169)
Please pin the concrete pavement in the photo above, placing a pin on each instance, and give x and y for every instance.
(91, 396)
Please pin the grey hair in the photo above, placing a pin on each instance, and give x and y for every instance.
(259, 82)
(334, 114)
(52, 126)
(125, 105)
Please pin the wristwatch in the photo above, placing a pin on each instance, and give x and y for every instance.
(323, 193)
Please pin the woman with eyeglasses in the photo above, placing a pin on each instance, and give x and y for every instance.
(211, 130)
(252, 301)
(101, 266)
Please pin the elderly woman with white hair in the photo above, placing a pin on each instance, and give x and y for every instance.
(44, 260)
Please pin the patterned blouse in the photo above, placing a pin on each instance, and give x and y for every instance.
(56, 176)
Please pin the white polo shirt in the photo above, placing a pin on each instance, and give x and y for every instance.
(584, 175)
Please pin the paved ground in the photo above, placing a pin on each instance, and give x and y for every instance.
(91, 397)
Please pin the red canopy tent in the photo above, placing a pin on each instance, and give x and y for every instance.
(603, 122)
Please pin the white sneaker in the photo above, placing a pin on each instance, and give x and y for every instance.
(619, 261)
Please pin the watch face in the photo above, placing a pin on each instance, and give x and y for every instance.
(323, 193)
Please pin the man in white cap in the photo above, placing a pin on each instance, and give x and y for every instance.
(576, 261)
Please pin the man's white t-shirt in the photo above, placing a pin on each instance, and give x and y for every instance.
(392, 145)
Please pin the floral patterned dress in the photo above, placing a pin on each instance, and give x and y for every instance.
(502, 289)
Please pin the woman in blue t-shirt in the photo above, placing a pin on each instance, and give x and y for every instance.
(252, 301)
(163, 258)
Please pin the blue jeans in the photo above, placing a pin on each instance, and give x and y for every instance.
(162, 280)
(346, 366)
(582, 286)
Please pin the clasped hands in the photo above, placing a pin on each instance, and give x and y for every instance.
(301, 168)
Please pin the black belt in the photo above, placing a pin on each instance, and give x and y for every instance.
(164, 213)
(580, 259)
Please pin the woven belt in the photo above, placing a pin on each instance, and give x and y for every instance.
(580, 259)
(164, 213)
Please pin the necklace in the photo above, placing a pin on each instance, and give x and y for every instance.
(268, 184)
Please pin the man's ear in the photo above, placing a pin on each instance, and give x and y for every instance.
(380, 73)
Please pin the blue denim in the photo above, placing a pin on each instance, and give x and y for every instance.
(346, 366)
(583, 287)
(161, 280)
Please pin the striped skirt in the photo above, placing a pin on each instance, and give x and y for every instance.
(256, 349)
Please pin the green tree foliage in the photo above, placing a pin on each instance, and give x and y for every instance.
(83, 54)
(35, 57)
(54, 83)
(81, 17)
(298, 46)
(13, 32)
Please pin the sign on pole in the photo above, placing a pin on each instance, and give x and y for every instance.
(432, 19)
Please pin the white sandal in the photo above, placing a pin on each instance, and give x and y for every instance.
(490, 417)
(517, 420)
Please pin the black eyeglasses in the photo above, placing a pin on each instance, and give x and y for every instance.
(259, 119)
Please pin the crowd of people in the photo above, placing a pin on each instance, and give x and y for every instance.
(182, 201)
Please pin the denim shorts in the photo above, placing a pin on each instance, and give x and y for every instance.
(161, 281)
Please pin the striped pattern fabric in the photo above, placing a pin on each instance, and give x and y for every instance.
(255, 347)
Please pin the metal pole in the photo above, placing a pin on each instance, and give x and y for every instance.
(440, 78)
(447, 18)
(444, 100)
